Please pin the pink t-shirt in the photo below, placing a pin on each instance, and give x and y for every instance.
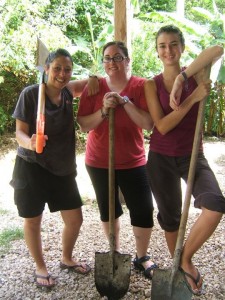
(129, 142)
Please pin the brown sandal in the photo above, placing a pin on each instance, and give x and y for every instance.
(77, 268)
(49, 276)
(197, 280)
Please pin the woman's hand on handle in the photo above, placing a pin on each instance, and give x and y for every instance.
(111, 100)
(202, 91)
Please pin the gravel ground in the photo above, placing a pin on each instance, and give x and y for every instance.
(17, 268)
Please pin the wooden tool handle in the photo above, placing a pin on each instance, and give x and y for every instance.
(111, 180)
(191, 176)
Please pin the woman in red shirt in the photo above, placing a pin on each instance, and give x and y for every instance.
(125, 93)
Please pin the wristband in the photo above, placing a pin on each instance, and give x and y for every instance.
(103, 114)
(185, 80)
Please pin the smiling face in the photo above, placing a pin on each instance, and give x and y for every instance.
(115, 61)
(59, 72)
(169, 48)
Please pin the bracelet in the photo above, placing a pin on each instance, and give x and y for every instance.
(184, 75)
(185, 80)
(103, 114)
(93, 76)
(126, 100)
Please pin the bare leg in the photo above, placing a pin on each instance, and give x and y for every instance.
(199, 234)
(142, 238)
(171, 238)
(197, 237)
(105, 226)
(72, 222)
(32, 234)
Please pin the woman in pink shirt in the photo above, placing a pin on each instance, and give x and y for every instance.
(171, 147)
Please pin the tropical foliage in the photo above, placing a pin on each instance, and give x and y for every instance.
(83, 26)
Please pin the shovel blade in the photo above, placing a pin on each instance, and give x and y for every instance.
(112, 274)
(163, 288)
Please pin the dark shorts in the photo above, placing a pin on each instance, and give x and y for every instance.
(165, 174)
(134, 185)
(34, 186)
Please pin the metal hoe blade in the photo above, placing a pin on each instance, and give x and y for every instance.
(42, 54)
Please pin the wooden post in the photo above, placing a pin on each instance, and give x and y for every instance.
(180, 8)
(122, 22)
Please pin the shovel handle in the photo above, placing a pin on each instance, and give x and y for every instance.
(111, 180)
(191, 175)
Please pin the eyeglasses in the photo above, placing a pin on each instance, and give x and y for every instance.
(108, 59)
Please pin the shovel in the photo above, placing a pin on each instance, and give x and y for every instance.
(42, 53)
(112, 269)
(170, 284)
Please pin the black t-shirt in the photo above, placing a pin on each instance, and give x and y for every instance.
(58, 156)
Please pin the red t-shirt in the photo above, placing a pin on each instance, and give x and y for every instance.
(129, 141)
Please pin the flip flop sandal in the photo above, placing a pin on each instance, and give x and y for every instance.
(76, 268)
(138, 265)
(49, 276)
(198, 291)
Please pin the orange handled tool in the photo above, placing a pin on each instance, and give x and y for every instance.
(42, 53)
(40, 124)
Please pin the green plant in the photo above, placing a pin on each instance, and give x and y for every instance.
(3, 120)
(88, 54)
(8, 235)
(145, 62)
(83, 27)
(214, 124)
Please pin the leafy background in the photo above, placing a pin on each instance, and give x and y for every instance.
(84, 26)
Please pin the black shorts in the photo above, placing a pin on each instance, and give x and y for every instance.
(34, 186)
(165, 174)
(134, 185)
